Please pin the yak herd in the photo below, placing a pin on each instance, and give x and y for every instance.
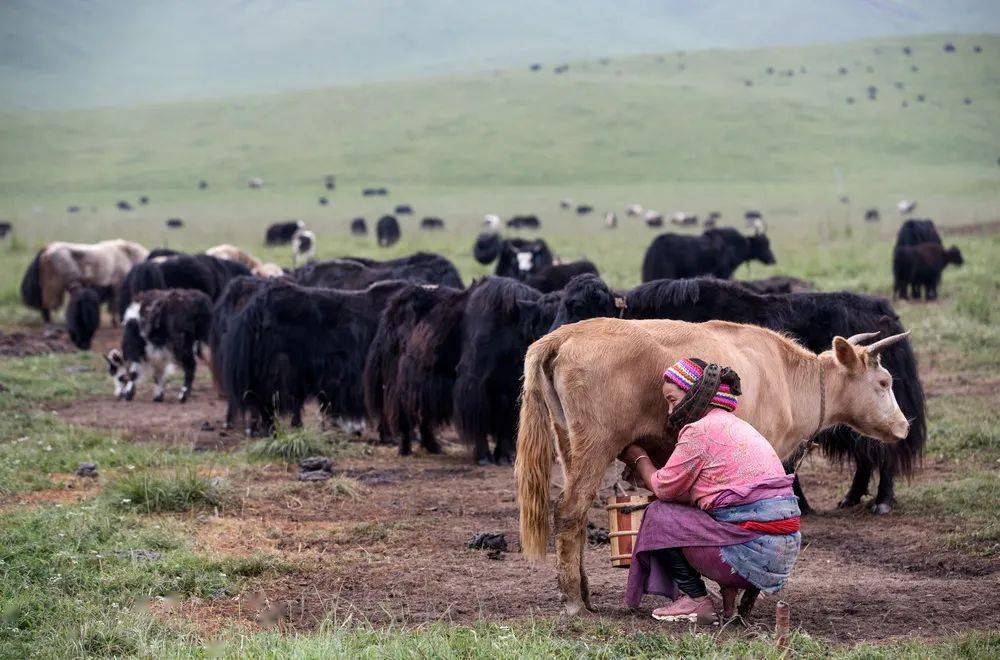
(404, 346)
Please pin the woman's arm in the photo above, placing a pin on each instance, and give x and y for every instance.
(674, 480)
(636, 458)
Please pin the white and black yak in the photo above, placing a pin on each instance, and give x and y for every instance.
(717, 252)
(292, 343)
(303, 247)
(387, 231)
(515, 257)
(382, 377)
(814, 319)
(502, 317)
(179, 271)
(360, 272)
(162, 329)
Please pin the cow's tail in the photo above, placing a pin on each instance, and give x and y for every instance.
(31, 283)
(535, 446)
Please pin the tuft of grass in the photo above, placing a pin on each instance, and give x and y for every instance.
(344, 488)
(155, 493)
(290, 446)
(971, 498)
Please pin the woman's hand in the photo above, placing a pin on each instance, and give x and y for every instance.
(639, 468)
(630, 454)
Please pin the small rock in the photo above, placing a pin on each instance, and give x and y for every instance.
(138, 553)
(494, 541)
(87, 470)
(314, 463)
(216, 482)
(207, 426)
(597, 535)
(314, 475)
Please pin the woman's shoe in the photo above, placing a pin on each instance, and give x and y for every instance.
(689, 610)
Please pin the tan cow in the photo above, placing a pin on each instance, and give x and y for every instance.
(256, 266)
(594, 387)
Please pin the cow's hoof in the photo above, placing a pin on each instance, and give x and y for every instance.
(405, 452)
(158, 398)
(484, 462)
(183, 396)
(881, 509)
(848, 502)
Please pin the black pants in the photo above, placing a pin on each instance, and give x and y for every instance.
(682, 573)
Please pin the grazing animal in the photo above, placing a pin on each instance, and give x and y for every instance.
(610, 220)
(144, 200)
(202, 185)
(906, 206)
(303, 246)
(59, 266)
(683, 219)
(6, 229)
(813, 319)
(712, 220)
(917, 232)
(592, 388)
(491, 221)
(515, 257)
(383, 382)
(255, 183)
(949, 47)
(359, 227)
(524, 222)
(233, 300)
(72, 209)
(162, 329)
(431, 224)
(293, 343)
(752, 218)
(329, 182)
(83, 315)
(872, 215)
(252, 263)
(404, 209)
(501, 319)
(566, 203)
(536, 67)
(175, 223)
(919, 267)
(353, 273)
(123, 205)
(387, 231)
(633, 210)
(375, 192)
(281, 233)
(653, 218)
(584, 209)
(180, 271)
(557, 276)
(323, 201)
(717, 252)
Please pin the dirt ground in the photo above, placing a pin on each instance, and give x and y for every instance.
(398, 553)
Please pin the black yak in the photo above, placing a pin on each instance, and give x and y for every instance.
(179, 271)
(387, 231)
(162, 329)
(917, 232)
(502, 317)
(281, 233)
(293, 343)
(872, 215)
(515, 257)
(813, 319)
(83, 314)
(919, 267)
(403, 209)
(431, 223)
(557, 276)
(524, 222)
(175, 223)
(382, 382)
(359, 227)
(717, 252)
(354, 273)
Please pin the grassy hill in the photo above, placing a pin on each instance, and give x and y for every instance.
(672, 132)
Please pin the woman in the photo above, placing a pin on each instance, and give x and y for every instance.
(725, 507)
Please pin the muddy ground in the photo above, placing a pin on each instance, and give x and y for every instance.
(398, 553)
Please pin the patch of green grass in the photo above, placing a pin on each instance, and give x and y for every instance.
(964, 428)
(51, 379)
(289, 445)
(182, 490)
(973, 498)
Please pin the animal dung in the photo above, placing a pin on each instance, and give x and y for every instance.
(492, 541)
(314, 463)
(88, 470)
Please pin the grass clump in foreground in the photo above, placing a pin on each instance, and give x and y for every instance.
(155, 493)
(291, 445)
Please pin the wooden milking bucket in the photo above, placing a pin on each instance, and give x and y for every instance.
(624, 517)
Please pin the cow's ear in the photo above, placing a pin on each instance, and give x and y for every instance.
(846, 354)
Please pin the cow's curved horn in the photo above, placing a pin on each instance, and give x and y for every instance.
(883, 344)
(864, 336)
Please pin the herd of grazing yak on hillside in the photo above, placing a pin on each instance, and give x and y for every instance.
(404, 345)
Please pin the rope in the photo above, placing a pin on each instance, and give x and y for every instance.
(806, 445)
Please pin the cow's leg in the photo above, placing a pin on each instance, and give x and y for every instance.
(582, 482)
(46, 316)
(859, 485)
(915, 291)
(503, 453)
(885, 497)
(481, 450)
(428, 438)
(405, 435)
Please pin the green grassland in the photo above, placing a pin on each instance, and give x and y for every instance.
(695, 139)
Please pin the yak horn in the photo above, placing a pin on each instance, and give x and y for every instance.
(864, 336)
(883, 344)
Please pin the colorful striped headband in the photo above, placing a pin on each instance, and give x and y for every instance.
(685, 373)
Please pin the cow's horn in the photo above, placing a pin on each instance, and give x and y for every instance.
(883, 344)
(864, 336)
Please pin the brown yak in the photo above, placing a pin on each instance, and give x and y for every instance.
(596, 386)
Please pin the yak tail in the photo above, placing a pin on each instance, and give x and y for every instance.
(535, 447)
(237, 354)
(31, 283)
(144, 276)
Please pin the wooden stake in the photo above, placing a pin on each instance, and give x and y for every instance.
(782, 620)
